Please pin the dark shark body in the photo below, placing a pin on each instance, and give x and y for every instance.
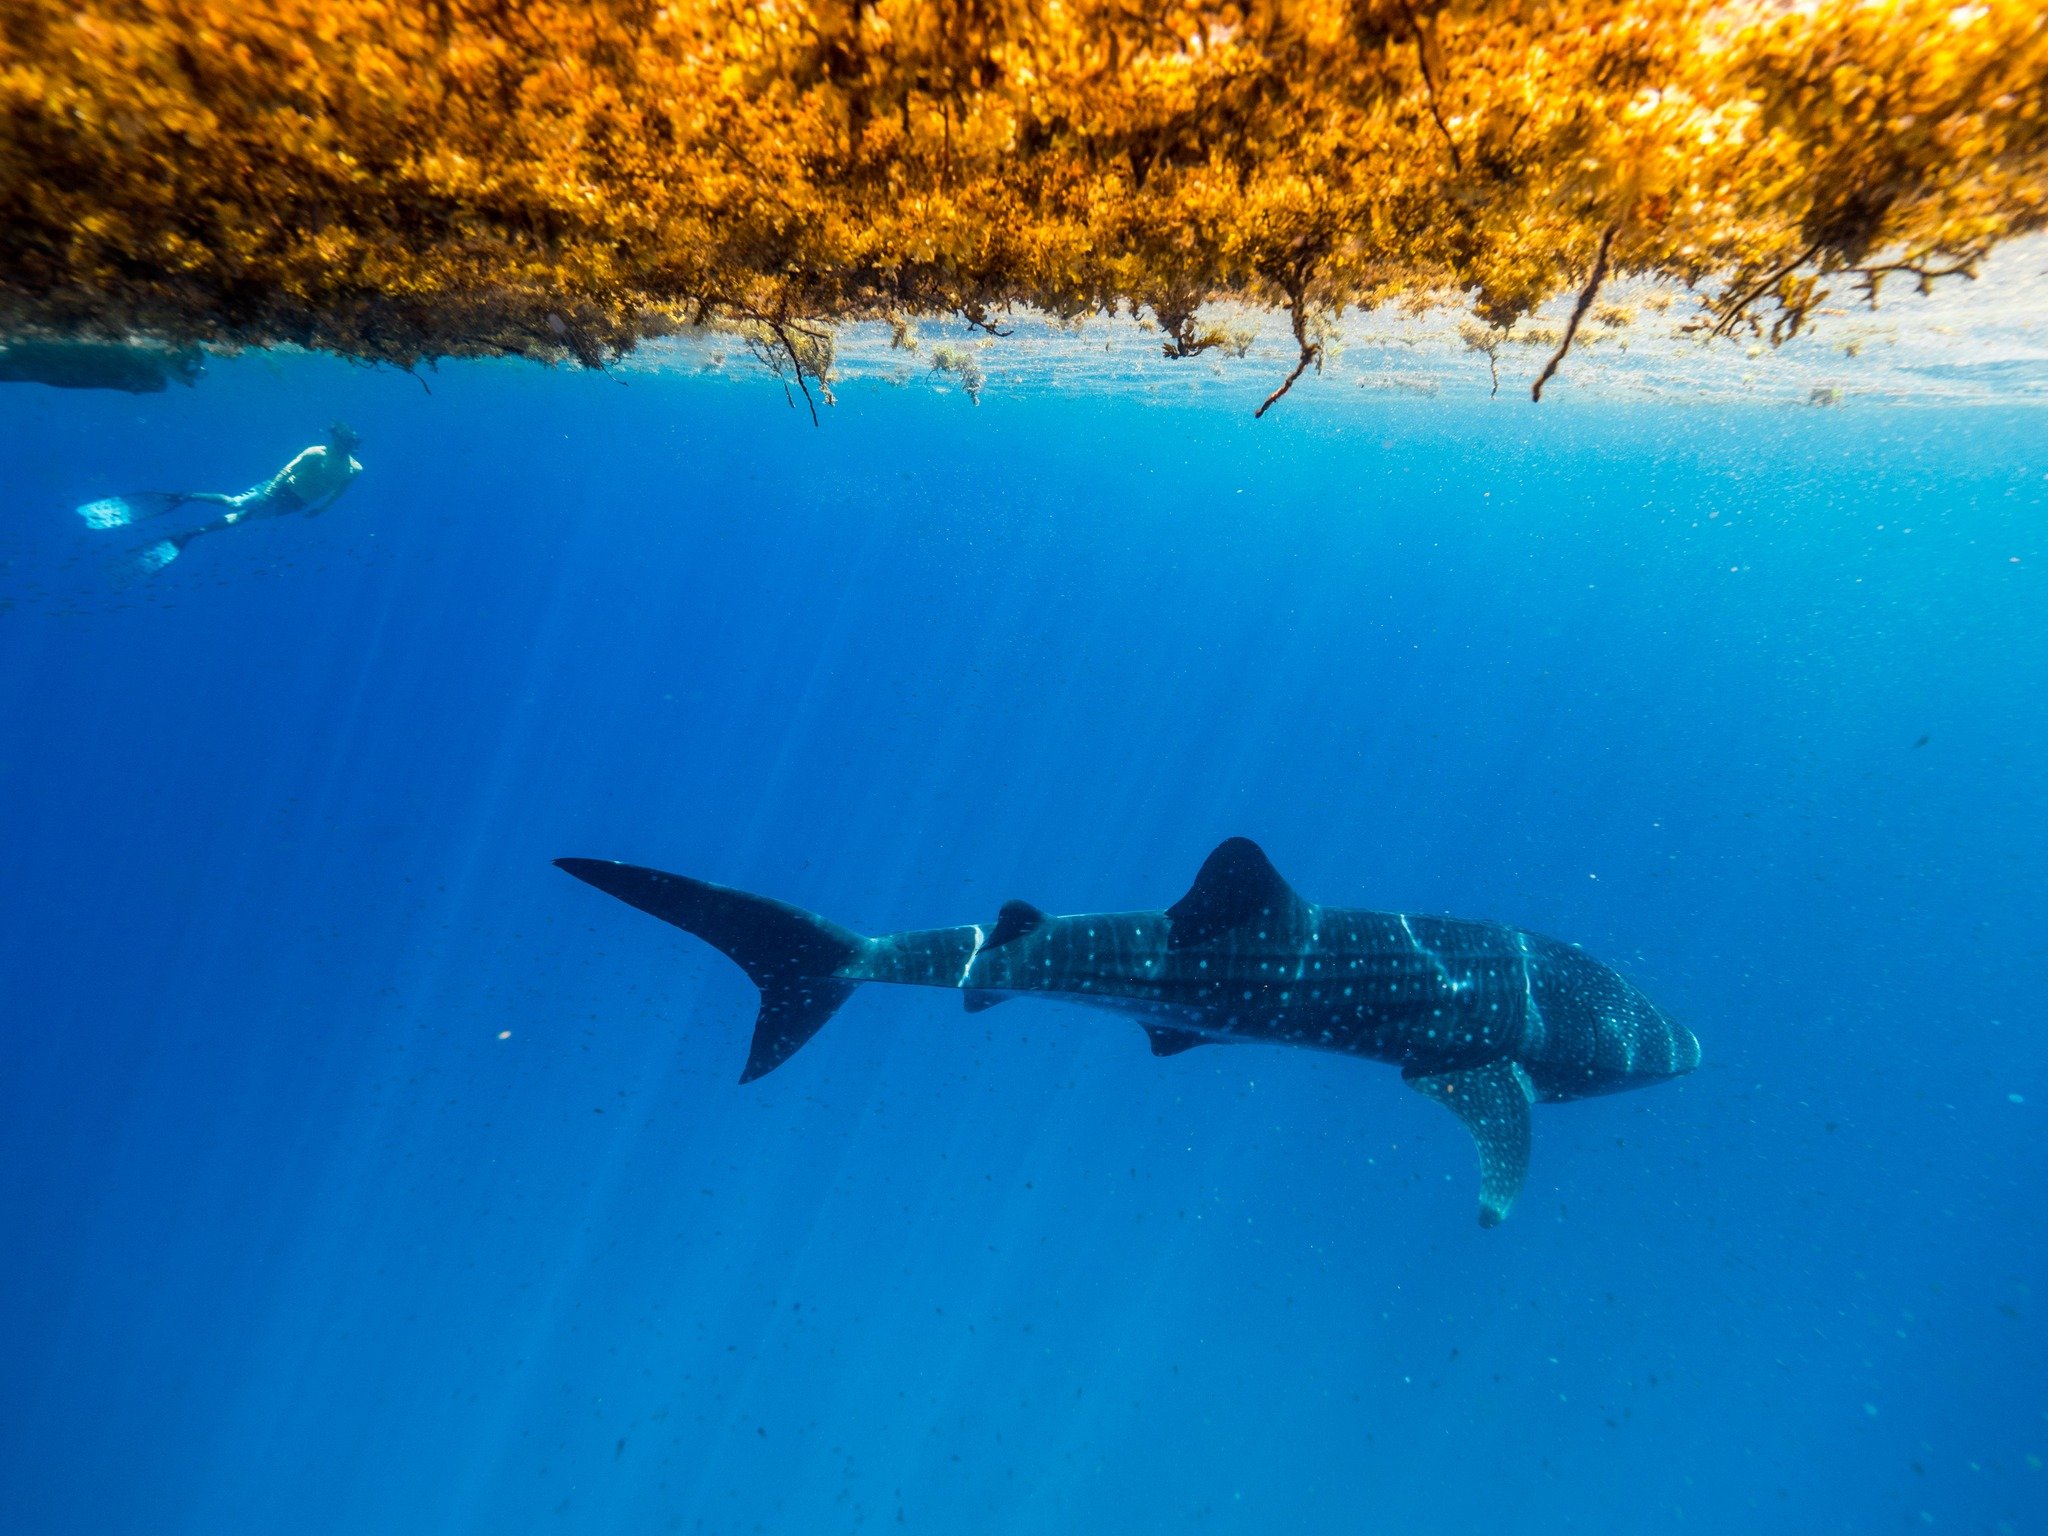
(1485, 1019)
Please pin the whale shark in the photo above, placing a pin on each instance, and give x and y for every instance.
(1485, 1019)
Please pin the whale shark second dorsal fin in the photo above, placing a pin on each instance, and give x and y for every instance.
(1236, 887)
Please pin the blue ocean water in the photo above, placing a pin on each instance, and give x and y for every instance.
(361, 1173)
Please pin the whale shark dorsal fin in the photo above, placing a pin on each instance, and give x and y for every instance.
(1237, 885)
(1168, 1041)
(1016, 919)
(1493, 1101)
(980, 1001)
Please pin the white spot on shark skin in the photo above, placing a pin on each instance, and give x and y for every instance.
(1442, 973)
(1523, 1081)
(974, 954)
(1628, 1043)
(1535, 1029)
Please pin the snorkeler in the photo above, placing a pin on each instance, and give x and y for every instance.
(309, 484)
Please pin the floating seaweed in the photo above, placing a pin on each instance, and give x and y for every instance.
(561, 179)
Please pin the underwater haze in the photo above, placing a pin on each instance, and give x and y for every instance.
(360, 1172)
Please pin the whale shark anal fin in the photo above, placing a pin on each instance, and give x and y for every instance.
(1168, 1041)
(1493, 1101)
(1237, 886)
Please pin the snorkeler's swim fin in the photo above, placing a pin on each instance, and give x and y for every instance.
(790, 954)
(151, 558)
(120, 511)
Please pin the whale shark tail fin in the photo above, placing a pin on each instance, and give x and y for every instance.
(792, 955)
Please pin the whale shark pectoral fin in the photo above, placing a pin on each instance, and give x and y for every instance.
(1016, 919)
(1493, 1101)
(1168, 1041)
(1236, 886)
(980, 1001)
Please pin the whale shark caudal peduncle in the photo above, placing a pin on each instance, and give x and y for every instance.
(1484, 1019)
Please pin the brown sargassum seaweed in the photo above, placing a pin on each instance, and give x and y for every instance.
(559, 179)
